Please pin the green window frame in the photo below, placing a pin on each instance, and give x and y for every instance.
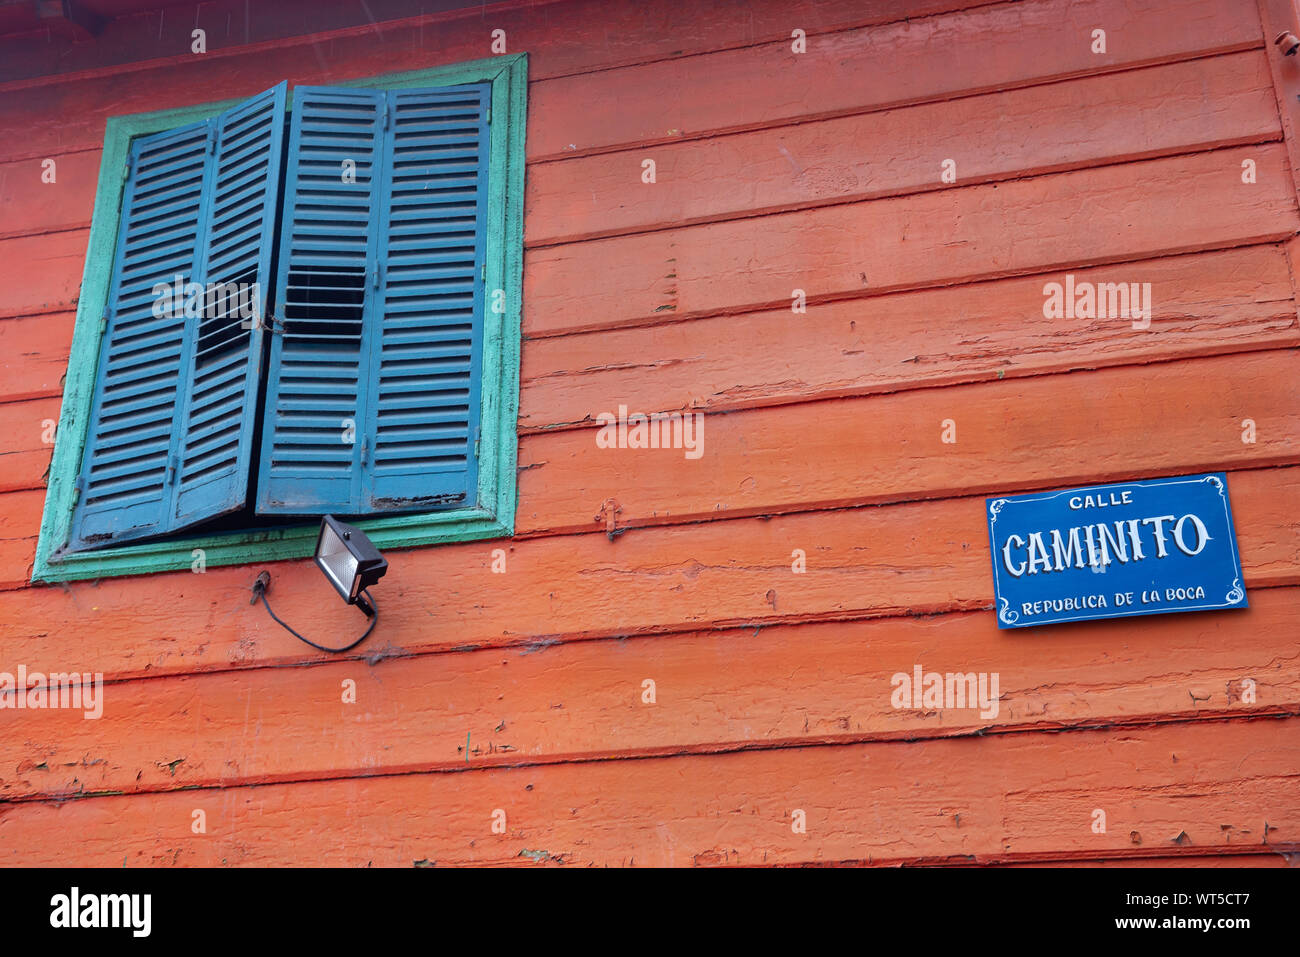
(492, 516)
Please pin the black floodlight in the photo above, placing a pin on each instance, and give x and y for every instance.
(351, 563)
(349, 560)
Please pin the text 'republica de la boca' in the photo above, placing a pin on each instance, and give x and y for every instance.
(1107, 551)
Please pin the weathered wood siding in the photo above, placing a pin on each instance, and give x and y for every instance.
(776, 171)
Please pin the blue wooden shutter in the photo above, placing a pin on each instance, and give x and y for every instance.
(124, 489)
(176, 217)
(422, 410)
(382, 303)
(224, 368)
(311, 434)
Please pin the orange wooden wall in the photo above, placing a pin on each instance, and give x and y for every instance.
(776, 171)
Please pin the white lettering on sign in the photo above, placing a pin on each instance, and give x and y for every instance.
(1099, 545)
(1097, 501)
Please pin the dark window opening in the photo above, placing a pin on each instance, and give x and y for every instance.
(229, 308)
(325, 303)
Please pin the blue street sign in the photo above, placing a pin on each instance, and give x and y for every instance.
(1108, 551)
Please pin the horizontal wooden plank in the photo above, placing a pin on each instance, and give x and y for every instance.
(988, 48)
(20, 514)
(17, 557)
(862, 563)
(52, 116)
(1056, 430)
(29, 204)
(1201, 104)
(20, 522)
(1185, 788)
(26, 454)
(1073, 219)
(18, 536)
(35, 351)
(713, 691)
(42, 273)
(1203, 303)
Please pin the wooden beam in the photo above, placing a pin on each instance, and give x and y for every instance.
(1196, 788)
(1065, 220)
(714, 691)
(1233, 300)
(1049, 431)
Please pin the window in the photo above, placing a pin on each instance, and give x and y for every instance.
(346, 262)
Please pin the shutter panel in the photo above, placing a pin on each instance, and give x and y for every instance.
(423, 405)
(312, 433)
(191, 210)
(125, 491)
(225, 362)
(382, 303)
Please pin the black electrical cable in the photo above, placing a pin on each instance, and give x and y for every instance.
(260, 590)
